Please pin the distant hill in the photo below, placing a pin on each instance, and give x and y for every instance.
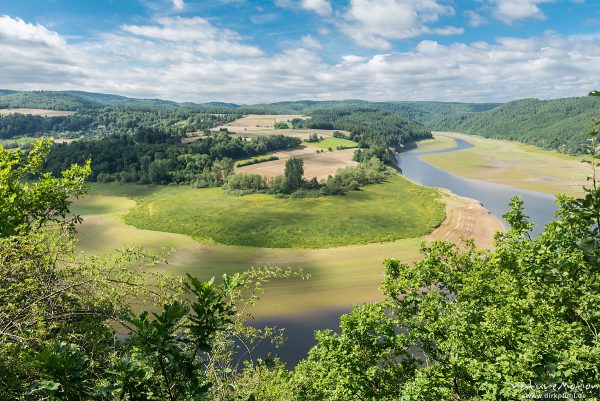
(560, 124)
(83, 101)
(555, 124)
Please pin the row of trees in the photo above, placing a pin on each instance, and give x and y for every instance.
(292, 182)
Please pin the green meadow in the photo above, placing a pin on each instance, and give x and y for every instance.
(511, 163)
(384, 212)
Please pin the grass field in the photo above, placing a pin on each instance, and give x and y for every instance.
(13, 142)
(37, 112)
(264, 120)
(513, 163)
(333, 143)
(378, 213)
(339, 276)
(254, 125)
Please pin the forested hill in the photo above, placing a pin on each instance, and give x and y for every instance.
(560, 124)
(555, 124)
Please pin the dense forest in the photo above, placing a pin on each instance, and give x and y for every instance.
(374, 130)
(553, 124)
(153, 156)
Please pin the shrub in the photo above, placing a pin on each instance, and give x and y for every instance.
(245, 182)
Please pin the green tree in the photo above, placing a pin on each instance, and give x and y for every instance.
(294, 171)
(30, 199)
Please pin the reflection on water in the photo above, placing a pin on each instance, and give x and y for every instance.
(300, 327)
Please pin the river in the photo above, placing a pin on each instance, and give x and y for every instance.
(540, 207)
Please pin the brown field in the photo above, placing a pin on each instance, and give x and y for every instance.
(255, 125)
(298, 133)
(319, 165)
(300, 151)
(37, 112)
(263, 121)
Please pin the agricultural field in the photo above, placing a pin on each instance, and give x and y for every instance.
(27, 140)
(339, 276)
(320, 165)
(263, 121)
(513, 163)
(333, 143)
(37, 112)
(253, 126)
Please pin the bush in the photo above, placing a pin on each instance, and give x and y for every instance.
(248, 183)
(281, 125)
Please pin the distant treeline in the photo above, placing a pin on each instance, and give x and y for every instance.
(152, 156)
(559, 124)
(112, 120)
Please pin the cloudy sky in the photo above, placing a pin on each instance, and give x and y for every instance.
(261, 51)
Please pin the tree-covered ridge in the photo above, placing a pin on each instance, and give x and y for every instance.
(375, 131)
(552, 124)
(110, 120)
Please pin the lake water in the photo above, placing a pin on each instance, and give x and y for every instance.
(540, 207)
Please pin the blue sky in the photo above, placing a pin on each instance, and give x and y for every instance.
(256, 51)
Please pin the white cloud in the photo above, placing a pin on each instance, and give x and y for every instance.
(310, 42)
(18, 30)
(321, 7)
(509, 11)
(373, 23)
(351, 58)
(475, 19)
(196, 34)
(178, 5)
(172, 65)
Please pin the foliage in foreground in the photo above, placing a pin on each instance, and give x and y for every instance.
(59, 310)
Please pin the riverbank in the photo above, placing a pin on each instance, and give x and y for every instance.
(511, 163)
